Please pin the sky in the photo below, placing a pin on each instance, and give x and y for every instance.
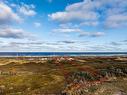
(63, 25)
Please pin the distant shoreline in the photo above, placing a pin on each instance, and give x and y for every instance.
(64, 56)
(60, 54)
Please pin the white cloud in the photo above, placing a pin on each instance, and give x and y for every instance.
(115, 21)
(66, 30)
(67, 45)
(7, 15)
(13, 33)
(79, 12)
(116, 43)
(81, 32)
(108, 13)
(27, 10)
(37, 24)
(71, 16)
(90, 23)
(92, 34)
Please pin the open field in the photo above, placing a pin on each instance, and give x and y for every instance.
(63, 76)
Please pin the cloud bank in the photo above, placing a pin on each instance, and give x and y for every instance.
(107, 13)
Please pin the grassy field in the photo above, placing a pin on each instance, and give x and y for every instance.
(80, 76)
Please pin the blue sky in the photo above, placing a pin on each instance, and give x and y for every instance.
(63, 25)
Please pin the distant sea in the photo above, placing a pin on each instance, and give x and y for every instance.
(36, 54)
